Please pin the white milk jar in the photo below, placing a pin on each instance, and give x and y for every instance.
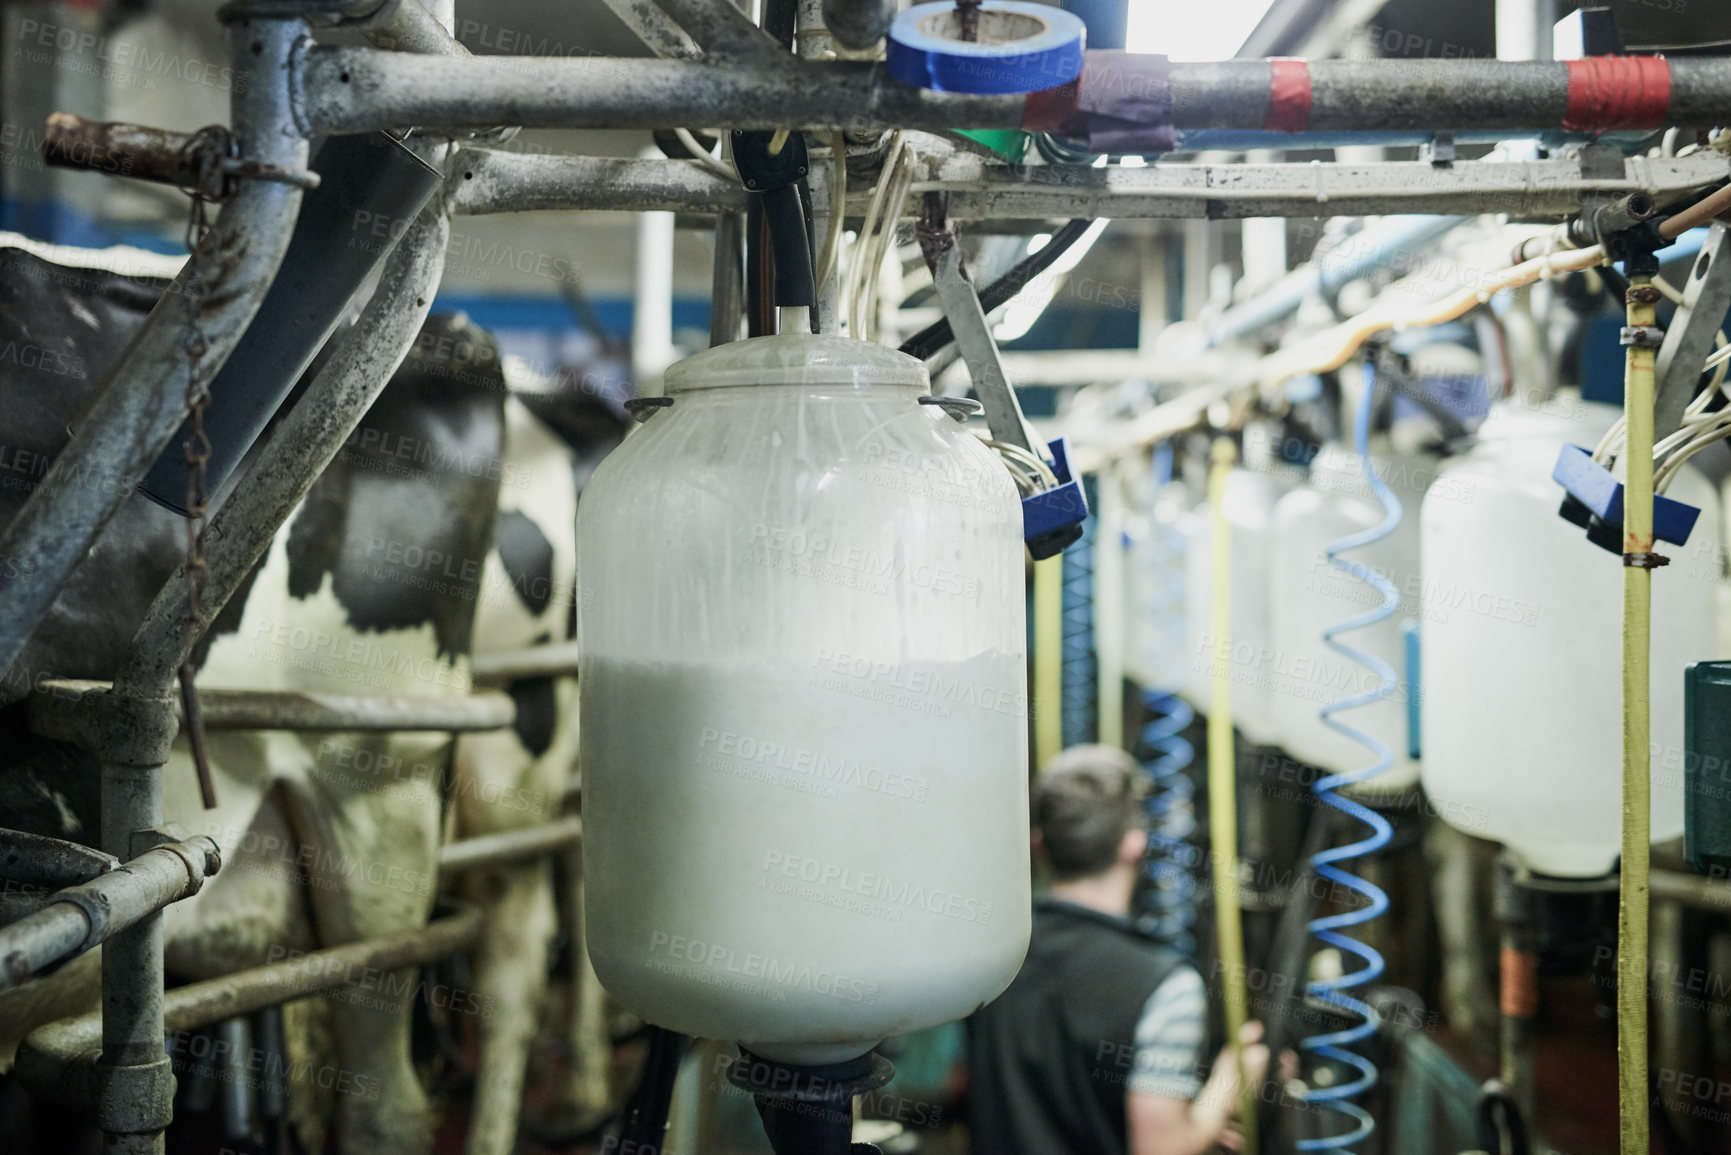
(804, 704)
(1522, 682)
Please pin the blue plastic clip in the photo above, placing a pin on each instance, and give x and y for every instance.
(1052, 520)
(1595, 503)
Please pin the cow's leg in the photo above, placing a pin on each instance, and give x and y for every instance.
(587, 1093)
(510, 978)
(369, 833)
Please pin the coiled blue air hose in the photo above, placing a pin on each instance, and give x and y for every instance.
(1168, 897)
(1077, 687)
(1336, 1045)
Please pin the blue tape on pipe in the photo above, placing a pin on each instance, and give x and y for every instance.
(1022, 47)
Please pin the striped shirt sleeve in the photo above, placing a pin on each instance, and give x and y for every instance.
(1169, 1038)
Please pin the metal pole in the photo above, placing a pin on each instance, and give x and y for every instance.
(494, 181)
(360, 89)
(142, 401)
(305, 442)
(57, 1062)
(653, 26)
(509, 845)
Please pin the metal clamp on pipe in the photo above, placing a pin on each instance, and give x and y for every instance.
(79, 918)
(206, 163)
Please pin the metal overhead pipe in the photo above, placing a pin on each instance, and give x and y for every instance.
(496, 181)
(143, 399)
(1398, 240)
(360, 89)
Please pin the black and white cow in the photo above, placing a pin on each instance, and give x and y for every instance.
(447, 516)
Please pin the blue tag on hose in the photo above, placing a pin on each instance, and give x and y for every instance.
(1020, 47)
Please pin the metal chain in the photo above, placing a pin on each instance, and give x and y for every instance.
(197, 448)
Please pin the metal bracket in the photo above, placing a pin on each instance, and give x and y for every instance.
(642, 409)
(974, 338)
(1706, 300)
(115, 728)
(1051, 519)
(959, 408)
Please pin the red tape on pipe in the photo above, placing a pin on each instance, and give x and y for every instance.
(1288, 95)
(1613, 92)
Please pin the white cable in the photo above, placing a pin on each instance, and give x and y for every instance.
(837, 211)
(886, 241)
(856, 271)
(703, 156)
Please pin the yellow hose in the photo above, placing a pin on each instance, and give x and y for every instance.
(1637, 606)
(1223, 785)
(1048, 658)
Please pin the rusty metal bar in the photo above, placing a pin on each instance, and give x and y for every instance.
(508, 846)
(134, 150)
(78, 918)
(535, 662)
(57, 1062)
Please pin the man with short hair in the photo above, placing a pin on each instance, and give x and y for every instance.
(1095, 1047)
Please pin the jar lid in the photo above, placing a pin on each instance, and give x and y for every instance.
(796, 359)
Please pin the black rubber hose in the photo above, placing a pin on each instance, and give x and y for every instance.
(759, 272)
(928, 342)
(646, 1113)
(790, 245)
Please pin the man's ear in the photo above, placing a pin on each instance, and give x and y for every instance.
(1133, 846)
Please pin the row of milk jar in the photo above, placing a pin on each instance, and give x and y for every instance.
(1517, 678)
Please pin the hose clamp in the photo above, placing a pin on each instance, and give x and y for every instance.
(1645, 560)
(1643, 336)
